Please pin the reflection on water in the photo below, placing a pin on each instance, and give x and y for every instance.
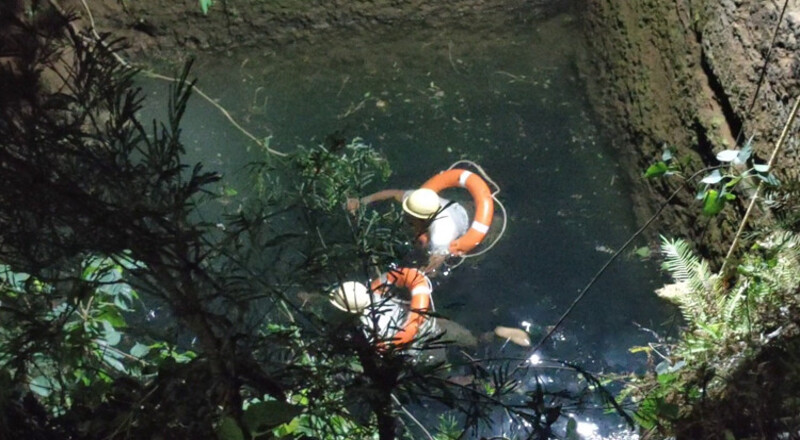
(506, 96)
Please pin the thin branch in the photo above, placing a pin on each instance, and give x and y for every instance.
(771, 162)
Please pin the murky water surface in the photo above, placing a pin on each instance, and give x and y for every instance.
(505, 95)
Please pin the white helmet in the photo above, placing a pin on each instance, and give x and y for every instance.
(421, 203)
(351, 296)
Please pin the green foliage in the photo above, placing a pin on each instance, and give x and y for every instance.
(205, 4)
(667, 166)
(725, 327)
(783, 200)
(331, 174)
(721, 182)
(132, 310)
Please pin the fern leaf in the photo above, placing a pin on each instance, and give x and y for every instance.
(681, 263)
(692, 279)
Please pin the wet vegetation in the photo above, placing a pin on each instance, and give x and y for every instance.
(141, 297)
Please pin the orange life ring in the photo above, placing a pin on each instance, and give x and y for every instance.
(484, 205)
(420, 287)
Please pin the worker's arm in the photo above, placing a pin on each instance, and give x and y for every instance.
(397, 194)
(435, 261)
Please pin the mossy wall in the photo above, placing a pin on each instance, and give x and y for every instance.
(645, 74)
(684, 73)
(163, 25)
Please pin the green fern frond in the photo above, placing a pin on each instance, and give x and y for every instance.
(680, 262)
(683, 265)
(693, 277)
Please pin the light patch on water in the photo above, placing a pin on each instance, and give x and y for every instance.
(587, 429)
(535, 359)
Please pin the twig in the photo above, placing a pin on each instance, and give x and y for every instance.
(771, 162)
(450, 56)
(609, 261)
(151, 74)
(411, 416)
(763, 73)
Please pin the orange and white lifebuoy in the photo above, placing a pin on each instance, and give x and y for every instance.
(484, 205)
(420, 287)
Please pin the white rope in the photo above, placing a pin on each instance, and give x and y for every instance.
(494, 197)
(152, 74)
(411, 416)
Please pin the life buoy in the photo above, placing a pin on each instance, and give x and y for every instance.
(420, 287)
(484, 205)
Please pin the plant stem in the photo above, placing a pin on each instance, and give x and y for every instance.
(771, 162)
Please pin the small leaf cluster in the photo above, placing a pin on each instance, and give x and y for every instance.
(719, 184)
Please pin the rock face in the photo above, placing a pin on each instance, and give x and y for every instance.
(736, 37)
(683, 73)
(163, 25)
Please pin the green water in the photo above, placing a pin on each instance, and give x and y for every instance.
(504, 94)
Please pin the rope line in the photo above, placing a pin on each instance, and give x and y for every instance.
(608, 262)
(486, 177)
(763, 74)
(752, 204)
(411, 416)
(152, 74)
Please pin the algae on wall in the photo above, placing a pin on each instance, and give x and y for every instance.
(683, 73)
(736, 36)
(166, 27)
(644, 73)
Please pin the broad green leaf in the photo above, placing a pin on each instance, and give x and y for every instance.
(287, 429)
(204, 4)
(112, 336)
(761, 167)
(229, 430)
(111, 315)
(733, 182)
(41, 385)
(712, 178)
(656, 170)
(713, 203)
(269, 414)
(110, 359)
(701, 194)
(746, 152)
(139, 350)
(727, 155)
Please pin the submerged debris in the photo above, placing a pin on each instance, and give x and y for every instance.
(515, 335)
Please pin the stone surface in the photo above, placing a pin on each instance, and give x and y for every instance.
(160, 26)
(684, 73)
